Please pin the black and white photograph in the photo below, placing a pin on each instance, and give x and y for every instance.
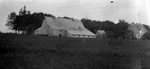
(74, 34)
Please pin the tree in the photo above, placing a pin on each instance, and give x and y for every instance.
(121, 29)
(146, 36)
(25, 21)
(109, 25)
(35, 21)
(88, 24)
(10, 20)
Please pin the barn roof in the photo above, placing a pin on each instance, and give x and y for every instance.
(72, 26)
(137, 28)
(62, 23)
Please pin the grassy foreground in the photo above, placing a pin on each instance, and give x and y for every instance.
(37, 52)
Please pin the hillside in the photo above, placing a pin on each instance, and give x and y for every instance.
(37, 52)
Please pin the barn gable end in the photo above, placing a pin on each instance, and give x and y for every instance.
(63, 28)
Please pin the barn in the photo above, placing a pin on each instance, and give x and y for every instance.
(63, 27)
(100, 34)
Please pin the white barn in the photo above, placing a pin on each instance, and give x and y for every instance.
(62, 27)
(100, 34)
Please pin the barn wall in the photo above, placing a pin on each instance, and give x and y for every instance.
(36, 32)
(69, 35)
(91, 36)
(41, 32)
(50, 32)
(45, 31)
(80, 36)
(59, 33)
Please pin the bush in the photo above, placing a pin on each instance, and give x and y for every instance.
(146, 36)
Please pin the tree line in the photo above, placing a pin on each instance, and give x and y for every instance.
(27, 22)
(113, 30)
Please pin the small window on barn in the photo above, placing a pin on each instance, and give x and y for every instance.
(73, 35)
(78, 35)
(93, 36)
(60, 35)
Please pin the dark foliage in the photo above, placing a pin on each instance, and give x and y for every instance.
(121, 29)
(146, 36)
(113, 30)
(25, 21)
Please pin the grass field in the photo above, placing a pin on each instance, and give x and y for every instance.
(37, 52)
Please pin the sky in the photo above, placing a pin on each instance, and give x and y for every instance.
(131, 10)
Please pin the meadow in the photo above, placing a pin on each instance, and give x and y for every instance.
(40, 52)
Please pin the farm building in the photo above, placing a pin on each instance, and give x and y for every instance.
(137, 29)
(62, 27)
(100, 34)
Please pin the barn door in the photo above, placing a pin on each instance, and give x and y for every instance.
(60, 35)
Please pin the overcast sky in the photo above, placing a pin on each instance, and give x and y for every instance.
(130, 10)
